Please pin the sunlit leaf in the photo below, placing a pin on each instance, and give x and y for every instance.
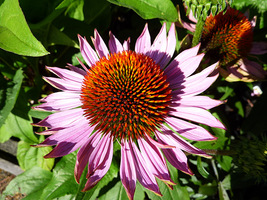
(29, 156)
(15, 35)
(149, 9)
(29, 183)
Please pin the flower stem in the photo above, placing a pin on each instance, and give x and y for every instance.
(198, 31)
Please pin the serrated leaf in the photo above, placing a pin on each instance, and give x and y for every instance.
(9, 92)
(150, 9)
(29, 156)
(15, 35)
(31, 182)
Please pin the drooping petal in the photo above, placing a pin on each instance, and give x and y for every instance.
(258, 48)
(55, 120)
(127, 170)
(155, 161)
(175, 156)
(100, 45)
(89, 55)
(68, 133)
(198, 101)
(114, 44)
(189, 130)
(76, 69)
(143, 174)
(66, 74)
(60, 105)
(253, 68)
(84, 154)
(182, 144)
(198, 115)
(60, 95)
(63, 84)
(99, 161)
(143, 42)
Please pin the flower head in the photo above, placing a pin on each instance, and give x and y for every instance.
(228, 37)
(136, 99)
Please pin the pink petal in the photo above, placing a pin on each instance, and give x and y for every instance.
(171, 43)
(258, 48)
(175, 156)
(253, 68)
(186, 54)
(155, 161)
(60, 105)
(60, 95)
(76, 69)
(143, 42)
(182, 144)
(198, 115)
(87, 51)
(127, 170)
(144, 175)
(126, 45)
(66, 74)
(197, 101)
(157, 144)
(63, 84)
(158, 48)
(100, 45)
(68, 133)
(55, 119)
(84, 154)
(189, 130)
(114, 44)
(184, 69)
(100, 162)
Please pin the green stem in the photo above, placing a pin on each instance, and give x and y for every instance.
(215, 152)
(198, 31)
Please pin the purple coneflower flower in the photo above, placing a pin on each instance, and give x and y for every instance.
(136, 99)
(228, 37)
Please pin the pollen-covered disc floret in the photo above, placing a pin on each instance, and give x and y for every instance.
(126, 95)
(228, 36)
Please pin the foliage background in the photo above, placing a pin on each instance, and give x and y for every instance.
(34, 34)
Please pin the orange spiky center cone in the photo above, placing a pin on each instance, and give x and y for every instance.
(126, 95)
(227, 37)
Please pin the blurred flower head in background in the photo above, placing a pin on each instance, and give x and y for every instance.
(136, 98)
(228, 37)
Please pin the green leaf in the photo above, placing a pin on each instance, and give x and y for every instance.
(178, 192)
(118, 192)
(95, 191)
(74, 8)
(201, 168)
(30, 183)
(39, 114)
(19, 127)
(225, 162)
(15, 35)
(149, 9)
(222, 192)
(62, 181)
(29, 156)
(8, 94)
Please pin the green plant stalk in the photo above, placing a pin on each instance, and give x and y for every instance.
(198, 31)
